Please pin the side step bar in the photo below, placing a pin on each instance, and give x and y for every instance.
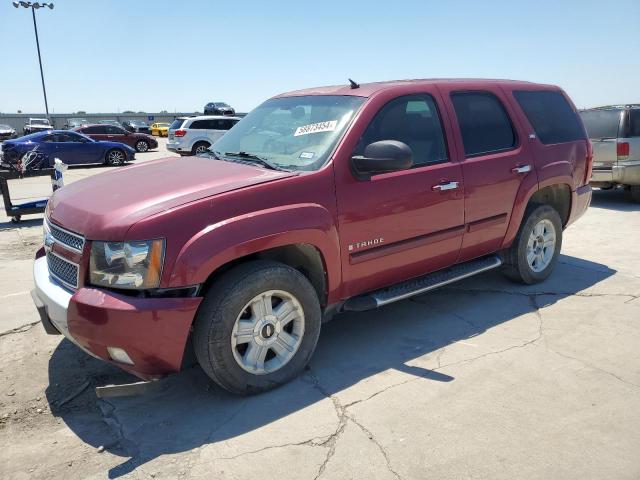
(422, 284)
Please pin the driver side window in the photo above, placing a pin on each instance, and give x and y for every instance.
(414, 120)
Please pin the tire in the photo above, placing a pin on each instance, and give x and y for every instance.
(115, 157)
(199, 147)
(224, 354)
(540, 224)
(142, 146)
(635, 193)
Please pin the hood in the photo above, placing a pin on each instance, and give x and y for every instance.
(105, 206)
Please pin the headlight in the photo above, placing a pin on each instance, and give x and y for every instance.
(134, 265)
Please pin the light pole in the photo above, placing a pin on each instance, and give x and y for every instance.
(34, 6)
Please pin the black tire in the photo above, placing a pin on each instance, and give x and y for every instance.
(516, 266)
(634, 190)
(199, 147)
(142, 146)
(115, 157)
(224, 302)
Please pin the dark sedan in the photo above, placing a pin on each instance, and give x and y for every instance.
(111, 133)
(71, 147)
(136, 126)
(218, 108)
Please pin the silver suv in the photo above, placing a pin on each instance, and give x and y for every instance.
(615, 134)
(193, 135)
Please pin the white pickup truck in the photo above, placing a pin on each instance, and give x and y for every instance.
(37, 125)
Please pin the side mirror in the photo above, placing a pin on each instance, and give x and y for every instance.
(382, 157)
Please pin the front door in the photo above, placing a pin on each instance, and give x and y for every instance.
(401, 224)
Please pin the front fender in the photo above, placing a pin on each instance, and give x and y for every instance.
(254, 232)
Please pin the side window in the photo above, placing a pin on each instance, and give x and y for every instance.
(198, 125)
(484, 123)
(550, 115)
(95, 130)
(413, 120)
(113, 130)
(634, 122)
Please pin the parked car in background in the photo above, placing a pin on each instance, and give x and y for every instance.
(36, 125)
(218, 108)
(160, 129)
(111, 133)
(110, 122)
(136, 126)
(72, 123)
(7, 132)
(193, 135)
(615, 133)
(319, 201)
(71, 147)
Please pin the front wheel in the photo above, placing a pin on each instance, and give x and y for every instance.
(142, 146)
(257, 327)
(534, 252)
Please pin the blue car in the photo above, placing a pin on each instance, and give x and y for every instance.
(71, 147)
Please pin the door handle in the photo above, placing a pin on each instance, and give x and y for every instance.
(521, 169)
(441, 187)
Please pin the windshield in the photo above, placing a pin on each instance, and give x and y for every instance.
(37, 121)
(296, 133)
(219, 104)
(5, 127)
(138, 123)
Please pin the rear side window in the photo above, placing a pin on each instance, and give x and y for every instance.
(95, 130)
(634, 122)
(484, 123)
(550, 115)
(601, 123)
(177, 123)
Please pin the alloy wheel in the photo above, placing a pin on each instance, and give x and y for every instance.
(541, 245)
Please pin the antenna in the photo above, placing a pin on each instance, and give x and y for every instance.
(354, 84)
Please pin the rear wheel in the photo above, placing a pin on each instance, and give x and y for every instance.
(115, 157)
(635, 193)
(200, 147)
(257, 327)
(142, 146)
(534, 252)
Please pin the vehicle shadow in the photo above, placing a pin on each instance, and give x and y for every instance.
(9, 225)
(189, 411)
(614, 199)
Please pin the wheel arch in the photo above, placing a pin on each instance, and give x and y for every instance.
(557, 195)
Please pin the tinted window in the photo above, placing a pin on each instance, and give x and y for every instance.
(95, 130)
(413, 120)
(550, 115)
(177, 123)
(483, 122)
(199, 125)
(113, 130)
(601, 123)
(634, 122)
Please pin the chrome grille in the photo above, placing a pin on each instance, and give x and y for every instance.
(71, 240)
(63, 270)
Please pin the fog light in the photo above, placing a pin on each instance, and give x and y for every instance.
(119, 355)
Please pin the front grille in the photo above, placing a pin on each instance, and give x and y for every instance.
(63, 270)
(71, 240)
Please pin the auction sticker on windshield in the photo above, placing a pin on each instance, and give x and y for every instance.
(329, 126)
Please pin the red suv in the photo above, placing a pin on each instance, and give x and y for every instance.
(140, 141)
(317, 202)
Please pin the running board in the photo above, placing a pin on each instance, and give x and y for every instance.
(422, 284)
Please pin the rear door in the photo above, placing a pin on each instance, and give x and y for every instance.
(118, 134)
(97, 132)
(603, 127)
(494, 165)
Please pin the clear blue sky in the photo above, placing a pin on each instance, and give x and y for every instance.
(101, 56)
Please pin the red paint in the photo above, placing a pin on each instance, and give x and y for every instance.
(128, 138)
(213, 212)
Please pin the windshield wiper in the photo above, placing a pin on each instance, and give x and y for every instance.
(211, 153)
(256, 158)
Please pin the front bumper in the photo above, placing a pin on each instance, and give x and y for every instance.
(623, 173)
(152, 331)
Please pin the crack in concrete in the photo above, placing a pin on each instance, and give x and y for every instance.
(20, 329)
(111, 419)
(535, 294)
(383, 450)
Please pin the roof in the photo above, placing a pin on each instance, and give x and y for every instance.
(208, 117)
(613, 107)
(368, 89)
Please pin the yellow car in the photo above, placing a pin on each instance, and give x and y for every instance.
(160, 129)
